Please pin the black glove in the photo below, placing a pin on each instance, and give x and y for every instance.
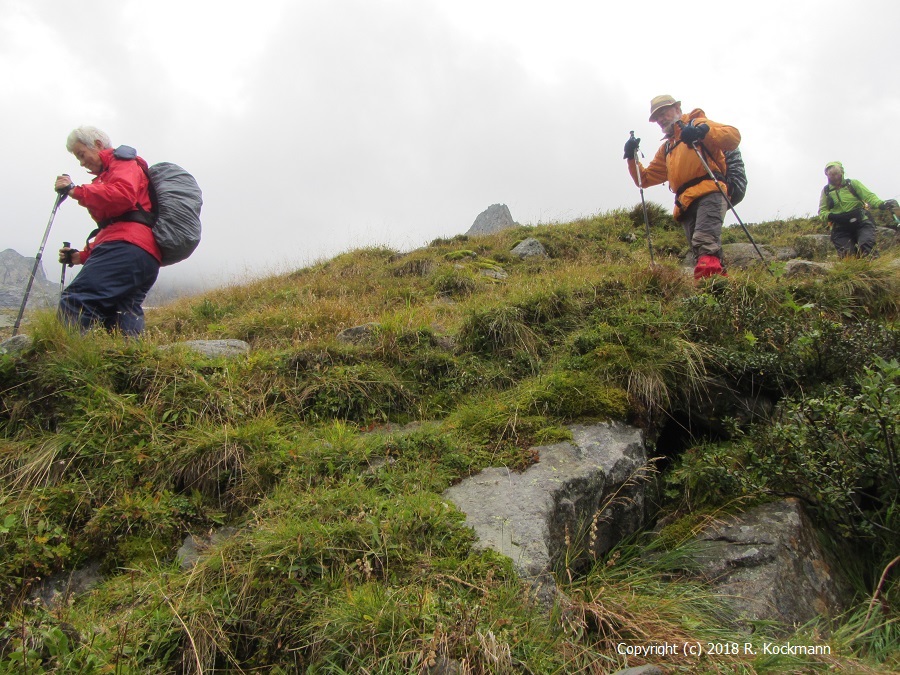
(691, 134)
(631, 146)
(889, 204)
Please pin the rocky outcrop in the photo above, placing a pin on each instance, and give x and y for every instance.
(744, 255)
(769, 566)
(493, 219)
(575, 503)
(15, 270)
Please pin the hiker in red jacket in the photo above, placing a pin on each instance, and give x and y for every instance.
(122, 262)
(699, 206)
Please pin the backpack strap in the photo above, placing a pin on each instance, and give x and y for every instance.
(829, 200)
(695, 181)
(139, 215)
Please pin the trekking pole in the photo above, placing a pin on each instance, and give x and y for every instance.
(66, 261)
(895, 211)
(728, 201)
(643, 203)
(60, 196)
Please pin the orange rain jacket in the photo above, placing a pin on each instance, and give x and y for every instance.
(678, 163)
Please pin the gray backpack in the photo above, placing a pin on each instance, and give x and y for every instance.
(735, 176)
(175, 200)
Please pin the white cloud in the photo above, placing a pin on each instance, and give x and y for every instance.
(322, 125)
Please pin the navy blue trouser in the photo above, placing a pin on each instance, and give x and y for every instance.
(110, 288)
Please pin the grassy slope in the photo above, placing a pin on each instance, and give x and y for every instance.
(346, 557)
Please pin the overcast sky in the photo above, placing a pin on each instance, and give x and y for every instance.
(315, 127)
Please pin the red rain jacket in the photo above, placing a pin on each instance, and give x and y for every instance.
(118, 189)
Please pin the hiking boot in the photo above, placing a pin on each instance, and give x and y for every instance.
(707, 266)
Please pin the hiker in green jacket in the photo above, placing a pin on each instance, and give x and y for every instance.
(845, 205)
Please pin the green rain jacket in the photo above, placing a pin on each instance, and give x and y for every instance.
(844, 200)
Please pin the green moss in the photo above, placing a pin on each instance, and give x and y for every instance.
(573, 395)
(462, 254)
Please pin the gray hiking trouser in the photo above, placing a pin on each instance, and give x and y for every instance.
(854, 238)
(702, 224)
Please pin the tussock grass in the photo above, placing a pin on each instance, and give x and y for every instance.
(329, 459)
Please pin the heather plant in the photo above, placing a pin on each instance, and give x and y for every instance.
(837, 451)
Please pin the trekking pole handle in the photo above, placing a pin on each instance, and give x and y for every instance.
(637, 168)
(637, 149)
(68, 254)
(63, 192)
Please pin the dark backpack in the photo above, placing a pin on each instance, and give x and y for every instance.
(175, 200)
(735, 176)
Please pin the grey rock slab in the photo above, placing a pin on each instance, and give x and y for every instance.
(15, 345)
(806, 268)
(493, 273)
(217, 348)
(561, 504)
(529, 248)
(769, 565)
(744, 255)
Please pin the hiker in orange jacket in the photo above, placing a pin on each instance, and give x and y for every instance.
(699, 206)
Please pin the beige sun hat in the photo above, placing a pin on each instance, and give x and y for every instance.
(660, 102)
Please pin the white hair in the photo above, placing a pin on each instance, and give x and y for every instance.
(88, 136)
